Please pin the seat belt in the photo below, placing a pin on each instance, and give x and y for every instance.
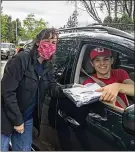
(102, 84)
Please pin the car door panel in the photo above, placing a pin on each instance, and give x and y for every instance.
(94, 129)
(100, 138)
(102, 129)
(125, 139)
(97, 127)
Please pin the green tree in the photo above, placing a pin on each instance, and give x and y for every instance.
(4, 27)
(8, 29)
(73, 21)
(126, 19)
(108, 19)
(127, 6)
(9, 26)
(118, 7)
(20, 31)
(32, 26)
(114, 8)
(12, 30)
(90, 6)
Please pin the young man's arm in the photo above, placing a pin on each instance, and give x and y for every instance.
(124, 85)
(127, 87)
(111, 91)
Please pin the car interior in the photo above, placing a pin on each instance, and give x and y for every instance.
(84, 67)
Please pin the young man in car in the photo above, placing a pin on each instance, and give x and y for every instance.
(117, 81)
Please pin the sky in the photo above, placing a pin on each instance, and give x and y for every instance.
(56, 13)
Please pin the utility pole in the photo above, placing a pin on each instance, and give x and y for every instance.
(76, 13)
(75, 5)
(16, 33)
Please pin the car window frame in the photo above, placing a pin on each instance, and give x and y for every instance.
(7, 45)
(113, 111)
(108, 107)
(70, 54)
(107, 44)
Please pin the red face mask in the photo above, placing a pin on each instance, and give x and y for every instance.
(46, 49)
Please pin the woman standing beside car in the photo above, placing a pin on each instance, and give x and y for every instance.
(28, 77)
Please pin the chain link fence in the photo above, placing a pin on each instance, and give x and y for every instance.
(129, 28)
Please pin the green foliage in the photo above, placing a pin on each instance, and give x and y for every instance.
(26, 31)
(116, 20)
(32, 26)
(126, 19)
(124, 22)
(108, 19)
(4, 27)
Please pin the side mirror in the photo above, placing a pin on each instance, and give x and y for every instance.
(129, 119)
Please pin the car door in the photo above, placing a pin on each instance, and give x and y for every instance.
(63, 64)
(62, 61)
(100, 123)
(93, 125)
(107, 123)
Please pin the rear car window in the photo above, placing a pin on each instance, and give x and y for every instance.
(4, 45)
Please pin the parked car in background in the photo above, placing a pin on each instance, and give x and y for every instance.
(22, 46)
(7, 49)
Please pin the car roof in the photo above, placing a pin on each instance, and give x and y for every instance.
(101, 36)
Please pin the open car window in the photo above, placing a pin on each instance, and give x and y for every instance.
(84, 68)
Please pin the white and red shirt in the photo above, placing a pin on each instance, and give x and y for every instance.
(118, 76)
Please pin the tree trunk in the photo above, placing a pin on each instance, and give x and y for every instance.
(116, 9)
(133, 15)
(130, 8)
(124, 10)
(91, 10)
(109, 8)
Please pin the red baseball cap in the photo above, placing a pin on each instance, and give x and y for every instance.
(99, 52)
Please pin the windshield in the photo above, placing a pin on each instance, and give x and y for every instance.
(4, 45)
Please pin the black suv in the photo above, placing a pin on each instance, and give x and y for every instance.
(96, 126)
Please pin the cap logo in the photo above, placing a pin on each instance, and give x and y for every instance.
(99, 49)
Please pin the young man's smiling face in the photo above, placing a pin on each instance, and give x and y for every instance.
(101, 60)
(102, 64)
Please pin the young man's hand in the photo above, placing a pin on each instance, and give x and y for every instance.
(110, 92)
(19, 129)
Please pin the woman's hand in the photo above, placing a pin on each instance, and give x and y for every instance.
(77, 85)
(19, 129)
(110, 92)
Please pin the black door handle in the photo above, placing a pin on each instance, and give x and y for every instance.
(97, 117)
(68, 118)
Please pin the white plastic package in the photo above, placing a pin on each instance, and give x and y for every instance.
(83, 95)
